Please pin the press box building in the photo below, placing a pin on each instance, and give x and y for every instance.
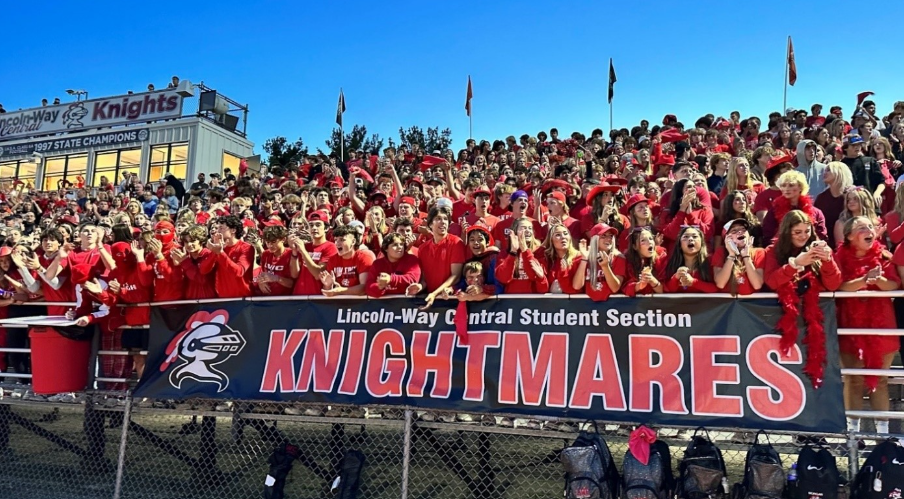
(150, 134)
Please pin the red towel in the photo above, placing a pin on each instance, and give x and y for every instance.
(461, 322)
(639, 443)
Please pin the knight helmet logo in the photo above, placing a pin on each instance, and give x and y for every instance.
(205, 343)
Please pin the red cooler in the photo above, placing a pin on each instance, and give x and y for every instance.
(58, 364)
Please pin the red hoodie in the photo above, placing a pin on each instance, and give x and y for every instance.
(199, 285)
(402, 274)
(525, 280)
(233, 267)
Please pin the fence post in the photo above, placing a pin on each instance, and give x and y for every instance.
(406, 453)
(853, 455)
(121, 461)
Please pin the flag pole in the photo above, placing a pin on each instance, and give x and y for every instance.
(341, 131)
(610, 115)
(787, 60)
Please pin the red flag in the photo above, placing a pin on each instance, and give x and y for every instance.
(468, 98)
(792, 66)
(862, 97)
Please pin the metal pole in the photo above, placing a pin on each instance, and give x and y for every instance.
(121, 462)
(406, 453)
(853, 454)
(787, 53)
(610, 116)
(341, 144)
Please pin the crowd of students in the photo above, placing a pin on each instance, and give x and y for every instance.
(807, 203)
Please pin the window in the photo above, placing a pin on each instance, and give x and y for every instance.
(168, 158)
(232, 162)
(21, 170)
(113, 164)
(64, 168)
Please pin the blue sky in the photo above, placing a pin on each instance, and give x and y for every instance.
(534, 65)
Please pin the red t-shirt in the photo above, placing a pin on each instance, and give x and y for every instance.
(279, 266)
(307, 283)
(765, 200)
(601, 291)
(502, 230)
(66, 293)
(441, 256)
(757, 256)
(347, 271)
(234, 266)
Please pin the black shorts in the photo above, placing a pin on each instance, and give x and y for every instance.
(135, 339)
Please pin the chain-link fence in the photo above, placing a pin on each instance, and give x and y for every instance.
(100, 446)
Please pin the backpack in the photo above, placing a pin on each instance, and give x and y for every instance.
(817, 475)
(883, 468)
(280, 461)
(701, 473)
(349, 478)
(653, 480)
(590, 471)
(764, 475)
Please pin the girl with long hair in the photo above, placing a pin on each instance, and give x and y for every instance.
(865, 267)
(737, 206)
(645, 264)
(520, 271)
(797, 267)
(603, 201)
(564, 265)
(737, 263)
(838, 179)
(858, 202)
(891, 168)
(689, 265)
(894, 219)
(739, 179)
(686, 208)
(640, 214)
(605, 264)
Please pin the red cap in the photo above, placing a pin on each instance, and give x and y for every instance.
(319, 216)
(273, 222)
(483, 190)
(247, 222)
(600, 229)
(556, 195)
(407, 200)
(665, 159)
(787, 158)
(5, 251)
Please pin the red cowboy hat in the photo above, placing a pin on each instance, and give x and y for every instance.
(552, 184)
(787, 158)
(599, 189)
(632, 201)
(665, 160)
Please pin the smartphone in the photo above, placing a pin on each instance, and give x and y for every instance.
(732, 245)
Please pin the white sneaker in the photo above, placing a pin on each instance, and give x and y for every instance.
(223, 407)
(292, 411)
(313, 412)
(19, 393)
(30, 395)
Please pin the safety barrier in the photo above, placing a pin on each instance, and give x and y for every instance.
(110, 445)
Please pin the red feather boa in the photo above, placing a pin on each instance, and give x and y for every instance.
(854, 267)
(815, 337)
(782, 206)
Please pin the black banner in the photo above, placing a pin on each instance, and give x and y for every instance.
(680, 361)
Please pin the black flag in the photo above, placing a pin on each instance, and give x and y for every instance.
(612, 80)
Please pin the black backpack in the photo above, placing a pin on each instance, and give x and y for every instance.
(701, 473)
(817, 475)
(590, 471)
(653, 480)
(280, 465)
(884, 468)
(764, 475)
(350, 474)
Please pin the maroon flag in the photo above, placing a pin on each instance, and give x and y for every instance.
(468, 98)
(792, 66)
